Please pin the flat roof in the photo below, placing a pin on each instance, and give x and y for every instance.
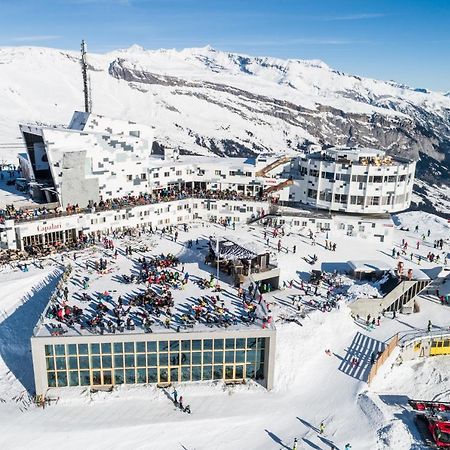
(369, 265)
(105, 288)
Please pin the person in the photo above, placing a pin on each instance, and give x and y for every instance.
(347, 447)
(294, 447)
(187, 409)
(294, 249)
(321, 428)
(175, 396)
(181, 402)
(429, 326)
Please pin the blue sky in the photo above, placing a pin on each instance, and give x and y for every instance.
(406, 41)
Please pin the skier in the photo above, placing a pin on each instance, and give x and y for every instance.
(429, 326)
(181, 402)
(187, 409)
(347, 447)
(294, 447)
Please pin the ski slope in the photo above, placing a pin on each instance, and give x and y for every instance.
(310, 386)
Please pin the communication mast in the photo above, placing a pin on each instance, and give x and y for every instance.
(86, 80)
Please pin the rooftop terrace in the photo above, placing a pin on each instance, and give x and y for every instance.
(147, 292)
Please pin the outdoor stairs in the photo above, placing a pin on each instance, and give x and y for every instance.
(265, 170)
(279, 186)
(400, 297)
(405, 292)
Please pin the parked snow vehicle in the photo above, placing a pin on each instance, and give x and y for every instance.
(433, 422)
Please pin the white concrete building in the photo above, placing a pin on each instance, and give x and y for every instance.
(107, 169)
(93, 159)
(363, 181)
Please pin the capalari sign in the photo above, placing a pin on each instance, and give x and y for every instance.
(47, 228)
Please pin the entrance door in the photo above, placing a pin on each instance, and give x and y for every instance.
(96, 378)
(163, 375)
(107, 377)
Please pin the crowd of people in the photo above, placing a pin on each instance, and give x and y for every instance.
(160, 196)
(154, 304)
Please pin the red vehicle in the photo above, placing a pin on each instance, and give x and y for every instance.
(433, 422)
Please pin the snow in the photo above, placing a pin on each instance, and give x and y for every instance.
(425, 221)
(111, 282)
(182, 113)
(310, 386)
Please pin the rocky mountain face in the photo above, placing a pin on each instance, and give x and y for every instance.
(205, 101)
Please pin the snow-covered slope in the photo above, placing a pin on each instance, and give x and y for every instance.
(202, 100)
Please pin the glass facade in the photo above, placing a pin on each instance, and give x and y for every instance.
(168, 361)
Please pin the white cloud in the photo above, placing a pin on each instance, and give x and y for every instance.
(35, 38)
(362, 16)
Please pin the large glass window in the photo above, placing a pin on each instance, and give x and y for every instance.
(218, 372)
(50, 363)
(106, 348)
(154, 361)
(73, 378)
(85, 379)
(207, 372)
(118, 376)
(129, 376)
(140, 347)
(61, 363)
(129, 347)
(151, 347)
(152, 375)
(196, 358)
(60, 350)
(163, 346)
(118, 347)
(95, 349)
(197, 373)
(62, 379)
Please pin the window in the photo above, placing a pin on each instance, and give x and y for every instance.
(312, 193)
(129, 177)
(154, 361)
(327, 175)
(143, 176)
(325, 196)
(341, 198)
(217, 172)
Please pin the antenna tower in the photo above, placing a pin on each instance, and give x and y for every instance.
(86, 80)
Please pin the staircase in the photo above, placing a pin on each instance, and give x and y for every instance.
(401, 296)
(279, 186)
(265, 170)
(404, 293)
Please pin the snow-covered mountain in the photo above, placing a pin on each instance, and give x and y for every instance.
(202, 100)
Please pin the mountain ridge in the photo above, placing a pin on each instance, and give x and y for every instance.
(204, 101)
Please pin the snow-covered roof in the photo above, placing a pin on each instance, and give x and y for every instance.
(235, 248)
(369, 265)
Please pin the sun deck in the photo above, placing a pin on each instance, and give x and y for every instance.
(96, 293)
